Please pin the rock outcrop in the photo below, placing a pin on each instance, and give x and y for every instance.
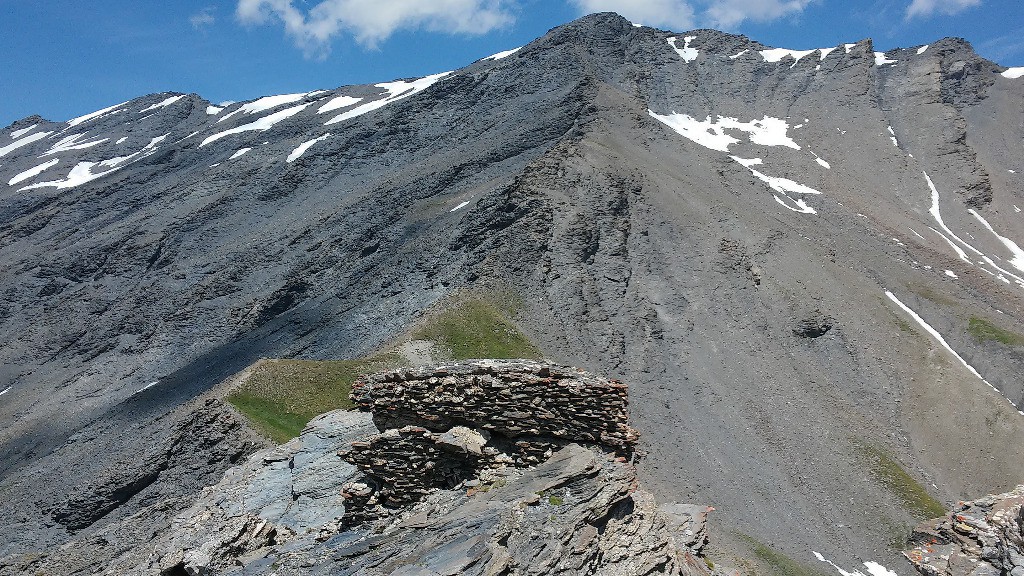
(459, 497)
(984, 537)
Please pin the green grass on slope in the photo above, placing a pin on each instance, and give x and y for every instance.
(477, 328)
(281, 396)
(888, 472)
(983, 330)
(778, 563)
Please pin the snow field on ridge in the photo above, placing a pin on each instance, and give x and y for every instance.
(396, 91)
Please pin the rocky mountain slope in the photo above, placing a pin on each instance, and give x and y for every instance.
(804, 263)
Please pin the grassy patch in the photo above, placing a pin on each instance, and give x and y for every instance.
(983, 330)
(477, 327)
(778, 563)
(929, 294)
(888, 472)
(905, 326)
(281, 396)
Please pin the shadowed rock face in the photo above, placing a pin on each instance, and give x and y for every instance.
(668, 221)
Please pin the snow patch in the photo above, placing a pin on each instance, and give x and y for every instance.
(80, 174)
(848, 47)
(942, 341)
(825, 52)
(462, 205)
(213, 110)
(922, 49)
(951, 274)
(396, 91)
(801, 206)
(508, 53)
(1018, 255)
(146, 387)
(686, 53)
(892, 136)
(874, 568)
(33, 172)
(69, 143)
(1013, 73)
(777, 54)
(767, 131)
(826, 165)
(96, 114)
(83, 171)
(301, 148)
(881, 60)
(265, 123)
(780, 185)
(239, 153)
(959, 251)
(784, 184)
(162, 104)
(121, 139)
(937, 215)
(738, 54)
(19, 133)
(5, 390)
(747, 162)
(338, 102)
(264, 104)
(22, 142)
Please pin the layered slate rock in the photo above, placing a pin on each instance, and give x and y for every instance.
(984, 537)
(458, 498)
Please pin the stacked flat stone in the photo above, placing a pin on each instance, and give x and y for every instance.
(511, 398)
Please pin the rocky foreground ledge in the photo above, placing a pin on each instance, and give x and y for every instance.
(487, 467)
(984, 537)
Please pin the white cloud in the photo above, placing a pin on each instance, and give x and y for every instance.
(668, 13)
(202, 19)
(927, 8)
(373, 21)
(680, 14)
(730, 13)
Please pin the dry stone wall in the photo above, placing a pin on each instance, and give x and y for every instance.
(509, 398)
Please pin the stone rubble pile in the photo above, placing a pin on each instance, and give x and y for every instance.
(984, 537)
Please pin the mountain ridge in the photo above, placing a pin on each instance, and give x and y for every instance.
(639, 251)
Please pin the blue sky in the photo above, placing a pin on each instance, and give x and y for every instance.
(64, 58)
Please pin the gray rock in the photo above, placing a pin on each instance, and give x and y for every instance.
(980, 537)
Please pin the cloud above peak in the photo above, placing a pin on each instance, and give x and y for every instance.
(683, 14)
(668, 13)
(370, 22)
(926, 8)
(731, 13)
